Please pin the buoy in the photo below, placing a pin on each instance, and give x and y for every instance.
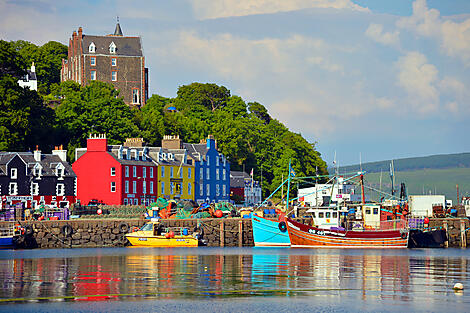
(185, 232)
(458, 286)
(99, 212)
(426, 220)
(172, 234)
(219, 213)
(167, 235)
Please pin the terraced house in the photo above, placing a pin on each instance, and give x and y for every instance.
(115, 59)
(131, 173)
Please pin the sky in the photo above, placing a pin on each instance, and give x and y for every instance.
(365, 80)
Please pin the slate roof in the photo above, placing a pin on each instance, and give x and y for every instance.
(48, 163)
(237, 179)
(152, 152)
(196, 150)
(125, 46)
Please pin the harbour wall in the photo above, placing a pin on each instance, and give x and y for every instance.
(232, 232)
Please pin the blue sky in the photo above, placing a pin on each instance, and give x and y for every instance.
(377, 78)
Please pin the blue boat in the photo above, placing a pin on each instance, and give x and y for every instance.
(268, 233)
(10, 236)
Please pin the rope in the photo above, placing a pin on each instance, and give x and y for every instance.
(50, 232)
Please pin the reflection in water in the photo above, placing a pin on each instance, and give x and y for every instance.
(357, 275)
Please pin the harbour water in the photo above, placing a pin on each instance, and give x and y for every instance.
(233, 279)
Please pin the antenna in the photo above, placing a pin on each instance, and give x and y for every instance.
(360, 160)
(117, 18)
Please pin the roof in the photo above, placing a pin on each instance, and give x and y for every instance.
(48, 163)
(237, 179)
(118, 31)
(196, 150)
(125, 46)
(152, 152)
(31, 75)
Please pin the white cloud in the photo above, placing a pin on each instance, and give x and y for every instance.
(209, 9)
(419, 79)
(454, 37)
(375, 31)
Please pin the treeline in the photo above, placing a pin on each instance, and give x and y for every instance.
(245, 132)
(440, 161)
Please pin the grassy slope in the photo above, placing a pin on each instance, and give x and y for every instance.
(441, 181)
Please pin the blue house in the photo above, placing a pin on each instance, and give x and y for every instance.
(212, 171)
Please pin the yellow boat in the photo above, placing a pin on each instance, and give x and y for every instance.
(151, 235)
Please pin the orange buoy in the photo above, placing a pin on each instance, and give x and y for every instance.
(219, 213)
(99, 212)
(167, 235)
(172, 234)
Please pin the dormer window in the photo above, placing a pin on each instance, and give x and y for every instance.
(112, 48)
(60, 170)
(92, 48)
(37, 170)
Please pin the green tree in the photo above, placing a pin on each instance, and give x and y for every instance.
(11, 63)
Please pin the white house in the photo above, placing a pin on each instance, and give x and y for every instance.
(29, 80)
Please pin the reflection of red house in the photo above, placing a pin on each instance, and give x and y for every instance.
(100, 283)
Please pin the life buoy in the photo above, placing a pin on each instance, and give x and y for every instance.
(282, 227)
(134, 229)
(124, 227)
(28, 230)
(67, 230)
(403, 235)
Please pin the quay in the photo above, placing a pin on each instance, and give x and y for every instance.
(218, 232)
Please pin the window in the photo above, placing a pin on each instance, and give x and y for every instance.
(224, 173)
(208, 190)
(224, 190)
(114, 76)
(134, 171)
(217, 174)
(93, 61)
(113, 186)
(34, 189)
(151, 187)
(134, 187)
(320, 215)
(59, 171)
(136, 201)
(163, 188)
(112, 48)
(113, 62)
(92, 48)
(217, 191)
(14, 173)
(208, 160)
(125, 201)
(60, 189)
(13, 189)
(144, 187)
(151, 172)
(327, 214)
(201, 190)
(93, 75)
(171, 171)
(224, 161)
(189, 172)
(37, 171)
(207, 174)
(335, 214)
(189, 188)
(144, 172)
(367, 211)
(135, 96)
(127, 171)
(201, 173)
(163, 171)
(126, 186)
(217, 160)
(376, 211)
(113, 171)
(172, 187)
(313, 214)
(181, 169)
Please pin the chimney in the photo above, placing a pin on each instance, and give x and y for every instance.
(97, 143)
(62, 154)
(33, 68)
(37, 154)
(74, 34)
(134, 142)
(210, 142)
(80, 31)
(172, 142)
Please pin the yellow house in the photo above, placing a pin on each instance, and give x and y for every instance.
(176, 181)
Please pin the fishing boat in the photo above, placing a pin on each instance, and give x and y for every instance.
(153, 234)
(269, 233)
(11, 236)
(305, 236)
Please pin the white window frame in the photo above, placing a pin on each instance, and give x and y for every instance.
(134, 187)
(171, 171)
(224, 174)
(162, 185)
(113, 171)
(126, 186)
(201, 190)
(60, 189)
(135, 96)
(163, 171)
(172, 188)
(136, 201)
(92, 61)
(189, 172)
(93, 75)
(181, 169)
(208, 158)
(112, 47)
(151, 188)
(126, 171)
(217, 174)
(125, 201)
(13, 173)
(208, 190)
(201, 173)
(113, 61)
(217, 160)
(224, 190)
(217, 190)
(113, 186)
(151, 172)
(144, 187)
(134, 171)
(37, 170)
(13, 189)
(114, 76)
(92, 48)
(144, 172)
(208, 176)
(189, 188)
(34, 189)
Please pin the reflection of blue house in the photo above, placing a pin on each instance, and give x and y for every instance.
(212, 177)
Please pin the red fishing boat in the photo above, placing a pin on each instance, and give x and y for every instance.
(305, 236)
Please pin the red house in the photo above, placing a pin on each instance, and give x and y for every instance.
(115, 177)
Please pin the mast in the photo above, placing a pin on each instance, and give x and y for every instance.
(288, 188)
(362, 190)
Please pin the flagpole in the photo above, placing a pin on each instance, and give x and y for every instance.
(288, 188)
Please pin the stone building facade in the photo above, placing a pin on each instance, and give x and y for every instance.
(114, 59)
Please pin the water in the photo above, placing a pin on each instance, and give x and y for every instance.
(233, 279)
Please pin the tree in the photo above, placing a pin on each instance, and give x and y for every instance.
(208, 95)
(11, 63)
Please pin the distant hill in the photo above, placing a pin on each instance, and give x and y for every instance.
(435, 174)
(441, 161)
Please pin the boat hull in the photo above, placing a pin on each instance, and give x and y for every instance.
(266, 233)
(304, 236)
(7, 242)
(140, 239)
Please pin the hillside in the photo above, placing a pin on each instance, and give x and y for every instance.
(441, 161)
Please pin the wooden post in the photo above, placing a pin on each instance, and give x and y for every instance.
(446, 243)
(222, 237)
(240, 233)
(463, 235)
